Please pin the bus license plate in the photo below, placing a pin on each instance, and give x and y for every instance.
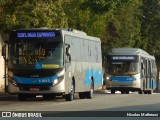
(34, 89)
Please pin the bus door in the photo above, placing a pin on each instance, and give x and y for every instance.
(146, 75)
(144, 68)
(149, 75)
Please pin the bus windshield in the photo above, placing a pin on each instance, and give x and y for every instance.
(123, 68)
(30, 53)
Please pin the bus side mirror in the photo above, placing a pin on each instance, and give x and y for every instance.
(68, 53)
(68, 50)
(4, 50)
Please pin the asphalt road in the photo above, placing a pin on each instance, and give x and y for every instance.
(102, 104)
(101, 101)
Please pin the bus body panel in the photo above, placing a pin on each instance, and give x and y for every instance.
(83, 72)
(83, 68)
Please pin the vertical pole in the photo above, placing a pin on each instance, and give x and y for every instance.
(157, 88)
(5, 82)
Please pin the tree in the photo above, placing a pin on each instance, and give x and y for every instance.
(150, 23)
(81, 17)
(28, 13)
(122, 25)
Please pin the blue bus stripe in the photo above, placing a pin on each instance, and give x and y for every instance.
(42, 80)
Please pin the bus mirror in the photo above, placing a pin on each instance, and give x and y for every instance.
(68, 50)
(68, 54)
(4, 50)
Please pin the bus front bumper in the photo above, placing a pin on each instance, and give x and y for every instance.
(37, 89)
(121, 85)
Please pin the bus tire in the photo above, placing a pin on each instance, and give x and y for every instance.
(150, 92)
(89, 94)
(122, 92)
(145, 92)
(140, 92)
(70, 96)
(112, 91)
(127, 92)
(22, 97)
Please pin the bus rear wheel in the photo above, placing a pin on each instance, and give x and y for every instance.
(145, 92)
(140, 91)
(150, 92)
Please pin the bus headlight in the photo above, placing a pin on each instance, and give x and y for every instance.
(55, 81)
(58, 80)
(107, 78)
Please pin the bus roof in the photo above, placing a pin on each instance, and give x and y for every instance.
(130, 51)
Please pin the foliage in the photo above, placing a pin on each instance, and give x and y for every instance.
(119, 23)
(82, 18)
(150, 23)
(122, 26)
(28, 13)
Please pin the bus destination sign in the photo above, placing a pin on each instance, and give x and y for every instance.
(35, 34)
(124, 58)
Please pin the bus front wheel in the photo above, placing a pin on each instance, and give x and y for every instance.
(70, 96)
(89, 94)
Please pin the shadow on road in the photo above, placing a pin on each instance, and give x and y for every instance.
(9, 97)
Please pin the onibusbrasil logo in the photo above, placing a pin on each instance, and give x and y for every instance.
(21, 114)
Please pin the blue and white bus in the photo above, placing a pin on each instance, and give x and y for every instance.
(53, 62)
(130, 69)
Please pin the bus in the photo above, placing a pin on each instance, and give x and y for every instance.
(52, 62)
(130, 69)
